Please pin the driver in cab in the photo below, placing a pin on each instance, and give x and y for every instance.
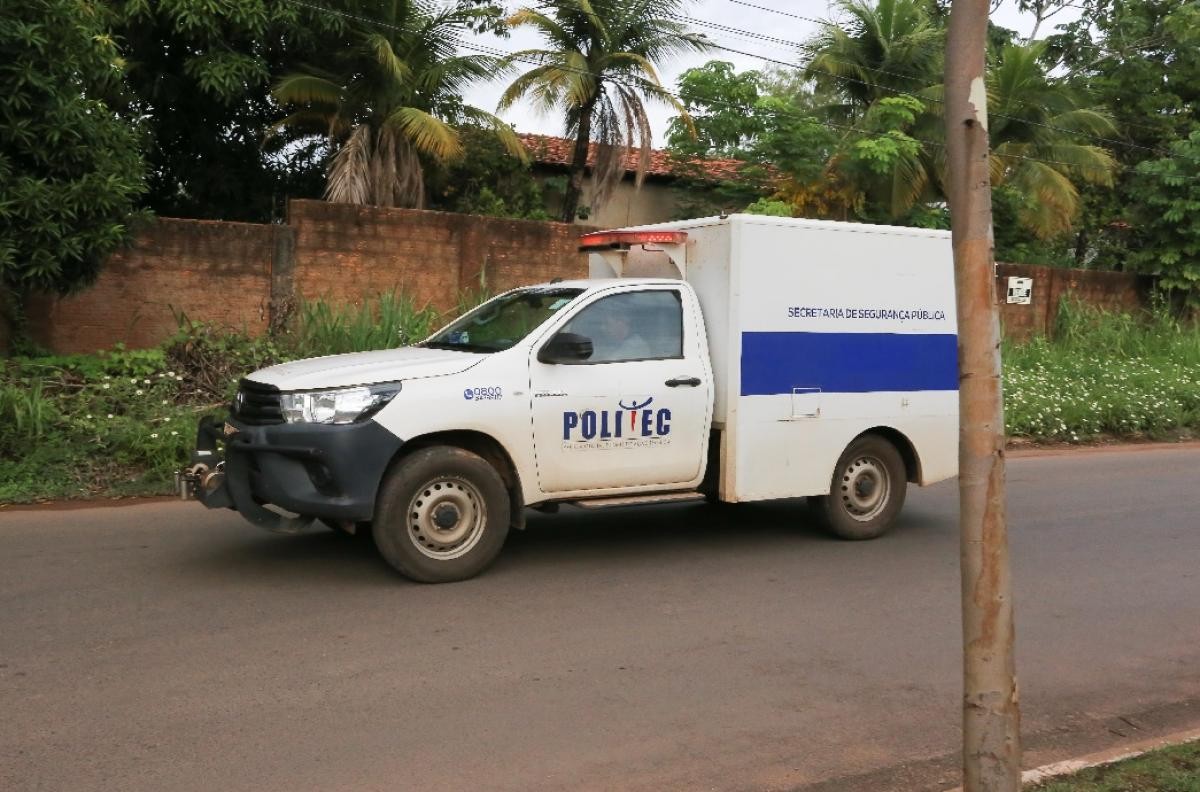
(617, 338)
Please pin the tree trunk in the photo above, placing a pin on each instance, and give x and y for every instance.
(991, 715)
(583, 140)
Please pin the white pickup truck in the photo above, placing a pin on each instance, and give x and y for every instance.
(756, 358)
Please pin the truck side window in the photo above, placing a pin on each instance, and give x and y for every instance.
(646, 325)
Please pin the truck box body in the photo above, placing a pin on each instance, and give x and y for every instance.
(817, 332)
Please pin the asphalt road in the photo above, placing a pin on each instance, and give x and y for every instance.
(163, 647)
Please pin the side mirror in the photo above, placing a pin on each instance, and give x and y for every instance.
(566, 348)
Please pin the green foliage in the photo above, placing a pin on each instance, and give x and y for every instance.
(721, 106)
(490, 181)
(765, 206)
(1172, 769)
(122, 421)
(856, 135)
(766, 120)
(1167, 195)
(890, 145)
(199, 76)
(697, 196)
(1044, 140)
(211, 360)
(1104, 374)
(25, 411)
(70, 170)
(75, 425)
(1140, 59)
(876, 50)
(1013, 243)
(391, 320)
(388, 98)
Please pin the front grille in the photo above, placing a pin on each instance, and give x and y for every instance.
(257, 404)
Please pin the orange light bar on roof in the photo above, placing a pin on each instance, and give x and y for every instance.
(613, 239)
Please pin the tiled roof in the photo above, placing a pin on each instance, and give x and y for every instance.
(549, 150)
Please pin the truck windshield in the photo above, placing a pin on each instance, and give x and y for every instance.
(500, 323)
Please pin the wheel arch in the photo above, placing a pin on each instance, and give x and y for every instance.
(900, 441)
(485, 446)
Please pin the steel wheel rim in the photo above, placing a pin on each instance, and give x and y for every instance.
(446, 518)
(865, 488)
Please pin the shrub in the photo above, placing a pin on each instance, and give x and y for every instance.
(390, 320)
(1104, 374)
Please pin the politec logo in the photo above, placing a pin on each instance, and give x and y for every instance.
(632, 421)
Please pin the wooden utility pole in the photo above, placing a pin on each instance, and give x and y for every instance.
(991, 715)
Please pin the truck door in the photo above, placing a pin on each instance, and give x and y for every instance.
(633, 412)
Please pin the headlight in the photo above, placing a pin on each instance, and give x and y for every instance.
(342, 406)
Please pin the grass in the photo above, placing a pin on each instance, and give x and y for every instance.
(122, 421)
(391, 320)
(1174, 769)
(1104, 375)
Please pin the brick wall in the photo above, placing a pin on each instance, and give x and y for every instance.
(242, 275)
(215, 271)
(1117, 291)
(344, 253)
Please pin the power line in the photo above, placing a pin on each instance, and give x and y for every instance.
(804, 47)
(897, 91)
(1082, 89)
(901, 92)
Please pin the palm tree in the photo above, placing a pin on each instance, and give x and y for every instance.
(881, 66)
(890, 53)
(599, 65)
(877, 51)
(389, 98)
(1037, 126)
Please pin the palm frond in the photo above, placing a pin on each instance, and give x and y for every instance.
(536, 78)
(310, 89)
(349, 170)
(1051, 200)
(509, 140)
(385, 56)
(549, 28)
(427, 133)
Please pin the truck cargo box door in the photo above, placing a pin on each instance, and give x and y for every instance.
(634, 411)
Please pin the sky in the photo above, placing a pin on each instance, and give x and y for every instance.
(719, 12)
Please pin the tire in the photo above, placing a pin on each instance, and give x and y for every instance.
(867, 491)
(442, 515)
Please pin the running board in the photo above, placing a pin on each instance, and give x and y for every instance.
(638, 500)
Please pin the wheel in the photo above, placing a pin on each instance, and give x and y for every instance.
(442, 515)
(867, 490)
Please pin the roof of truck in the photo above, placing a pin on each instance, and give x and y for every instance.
(795, 222)
(592, 283)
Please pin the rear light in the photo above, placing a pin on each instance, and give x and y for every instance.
(624, 239)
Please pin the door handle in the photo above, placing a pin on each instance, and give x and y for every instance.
(689, 382)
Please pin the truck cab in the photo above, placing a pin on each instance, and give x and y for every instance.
(599, 392)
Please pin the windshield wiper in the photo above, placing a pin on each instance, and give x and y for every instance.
(457, 347)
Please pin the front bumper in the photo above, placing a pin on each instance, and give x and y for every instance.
(311, 470)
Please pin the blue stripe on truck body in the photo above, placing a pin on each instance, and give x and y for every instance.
(778, 362)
